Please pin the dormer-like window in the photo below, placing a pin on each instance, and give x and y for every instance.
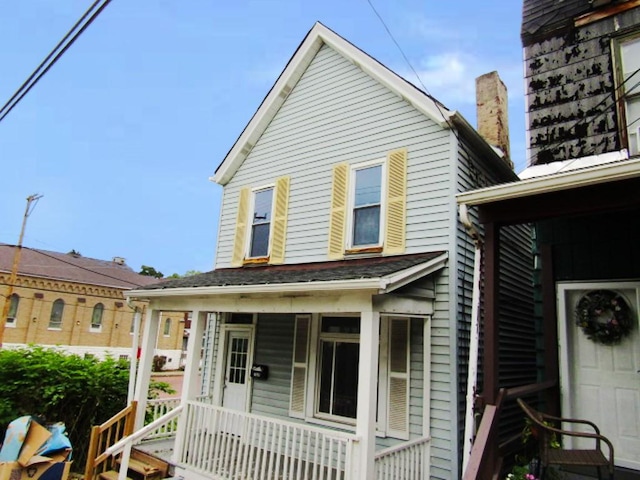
(628, 76)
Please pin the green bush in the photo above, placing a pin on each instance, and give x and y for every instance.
(58, 387)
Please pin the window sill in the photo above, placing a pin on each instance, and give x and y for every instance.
(363, 251)
(351, 428)
(255, 261)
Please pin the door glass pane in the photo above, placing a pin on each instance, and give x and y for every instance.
(326, 375)
(345, 398)
(238, 360)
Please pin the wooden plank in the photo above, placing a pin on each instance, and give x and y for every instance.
(615, 9)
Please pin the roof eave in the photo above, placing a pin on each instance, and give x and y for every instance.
(561, 181)
(294, 70)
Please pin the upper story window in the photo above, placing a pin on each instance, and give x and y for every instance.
(629, 92)
(57, 309)
(366, 212)
(14, 302)
(368, 206)
(261, 222)
(96, 317)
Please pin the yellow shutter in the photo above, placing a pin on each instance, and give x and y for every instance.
(337, 217)
(395, 222)
(398, 390)
(299, 373)
(241, 227)
(279, 228)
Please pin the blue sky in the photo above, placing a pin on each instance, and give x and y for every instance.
(124, 131)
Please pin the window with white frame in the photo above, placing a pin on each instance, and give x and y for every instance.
(338, 359)
(366, 212)
(629, 83)
(96, 317)
(329, 392)
(261, 222)
(14, 302)
(57, 310)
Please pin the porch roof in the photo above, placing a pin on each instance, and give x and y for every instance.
(380, 273)
(605, 186)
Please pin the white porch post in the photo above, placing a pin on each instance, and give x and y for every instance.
(149, 336)
(190, 381)
(364, 466)
(191, 384)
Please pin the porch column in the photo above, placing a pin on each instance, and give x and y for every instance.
(149, 336)
(363, 463)
(191, 384)
(491, 309)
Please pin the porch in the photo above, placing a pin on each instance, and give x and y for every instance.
(225, 444)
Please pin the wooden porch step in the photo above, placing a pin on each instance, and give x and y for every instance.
(110, 475)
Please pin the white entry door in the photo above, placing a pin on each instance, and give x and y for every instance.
(236, 379)
(600, 382)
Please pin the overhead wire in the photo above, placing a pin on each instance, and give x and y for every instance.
(70, 37)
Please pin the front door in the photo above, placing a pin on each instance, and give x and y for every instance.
(601, 382)
(236, 379)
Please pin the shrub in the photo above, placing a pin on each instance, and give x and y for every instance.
(59, 387)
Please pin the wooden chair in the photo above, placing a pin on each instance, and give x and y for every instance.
(568, 457)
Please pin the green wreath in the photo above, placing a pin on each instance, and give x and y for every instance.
(604, 316)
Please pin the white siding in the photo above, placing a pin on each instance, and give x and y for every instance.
(337, 113)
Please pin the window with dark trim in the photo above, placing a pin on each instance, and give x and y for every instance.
(57, 310)
(96, 317)
(14, 303)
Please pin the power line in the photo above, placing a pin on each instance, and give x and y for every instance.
(72, 35)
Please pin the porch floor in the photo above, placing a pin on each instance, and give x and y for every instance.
(162, 448)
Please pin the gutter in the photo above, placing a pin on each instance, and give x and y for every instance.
(472, 374)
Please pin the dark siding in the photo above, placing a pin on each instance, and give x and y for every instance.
(571, 91)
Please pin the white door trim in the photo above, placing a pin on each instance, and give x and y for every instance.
(562, 290)
(221, 361)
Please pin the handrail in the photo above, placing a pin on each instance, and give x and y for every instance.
(401, 446)
(489, 422)
(119, 446)
(118, 426)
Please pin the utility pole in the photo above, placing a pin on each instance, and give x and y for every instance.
(32, 200)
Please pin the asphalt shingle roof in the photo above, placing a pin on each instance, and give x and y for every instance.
(542, 17)
(72, 268)
(361, 268)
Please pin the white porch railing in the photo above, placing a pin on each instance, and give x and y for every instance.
(407, 461)
(158, 407)
(226, 444)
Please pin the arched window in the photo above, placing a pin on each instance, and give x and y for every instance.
(55, 321)
(96, 317)
(167, 327)
(14, 301)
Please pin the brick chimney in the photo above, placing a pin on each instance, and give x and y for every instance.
(492, 110)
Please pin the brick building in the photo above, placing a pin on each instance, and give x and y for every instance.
(77, 303)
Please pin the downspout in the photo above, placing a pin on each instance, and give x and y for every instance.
(472, 374)
(133, 364)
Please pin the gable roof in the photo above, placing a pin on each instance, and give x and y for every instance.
(380, 273)
(72, 268)
(318, 36)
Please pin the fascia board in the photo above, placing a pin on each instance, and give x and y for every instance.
(553, 183)
(301, 59)
(374, 284)
(412, 274)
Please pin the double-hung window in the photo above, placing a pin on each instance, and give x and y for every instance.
(261, 222)
(368, 207)
(366, 213)
(629, 90)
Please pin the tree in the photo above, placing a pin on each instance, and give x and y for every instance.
(150, 272)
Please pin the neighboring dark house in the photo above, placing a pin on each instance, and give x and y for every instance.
(581, 193)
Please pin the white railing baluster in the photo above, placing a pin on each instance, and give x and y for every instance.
(406, 461)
